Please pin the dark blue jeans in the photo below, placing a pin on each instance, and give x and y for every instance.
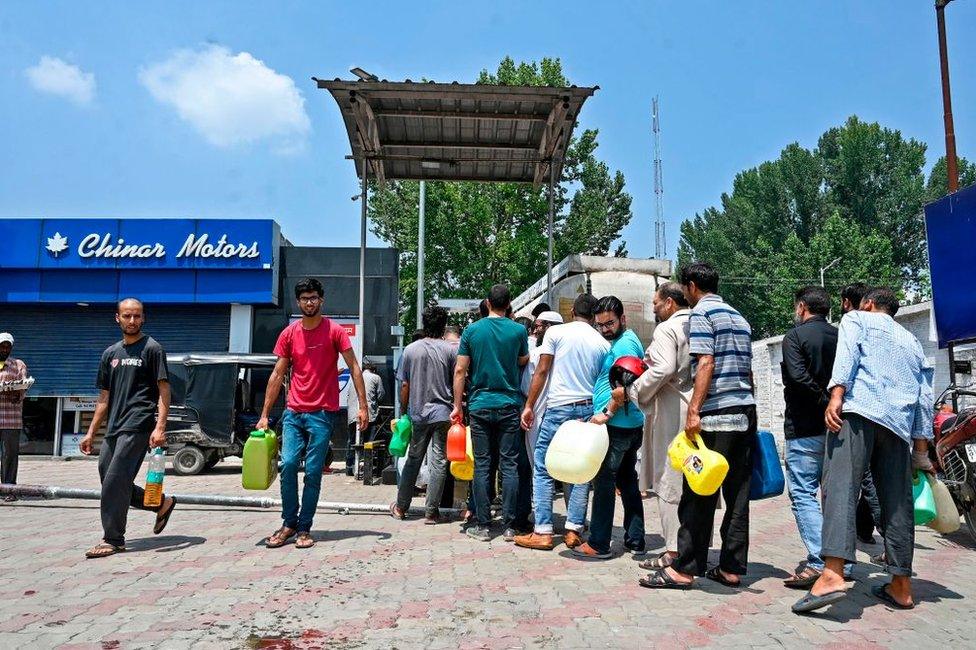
(498, 432)
(303, 435)
(619, 470)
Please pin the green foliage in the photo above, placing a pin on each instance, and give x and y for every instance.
(938, 185)
(858, 196)
(478, 234)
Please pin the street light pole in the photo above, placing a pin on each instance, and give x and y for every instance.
(950, 136)
(827, 268)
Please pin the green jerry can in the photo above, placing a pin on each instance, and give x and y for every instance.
(400, 439)
(923, 498)
(260, 460)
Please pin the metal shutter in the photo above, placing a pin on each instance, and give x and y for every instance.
(62, 345)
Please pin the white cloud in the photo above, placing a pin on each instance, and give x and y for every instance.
(231, 99)
(57, 77)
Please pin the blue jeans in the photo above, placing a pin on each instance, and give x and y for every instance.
(303, 435)
(804, 471)
(619, 470)
(542, 483)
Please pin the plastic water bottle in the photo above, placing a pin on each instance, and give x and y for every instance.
(153, 497)
(725, 423)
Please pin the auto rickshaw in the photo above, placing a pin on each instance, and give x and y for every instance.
(216, 402)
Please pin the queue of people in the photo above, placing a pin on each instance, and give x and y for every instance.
(857, 424)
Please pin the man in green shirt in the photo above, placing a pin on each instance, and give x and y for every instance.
(491, 352)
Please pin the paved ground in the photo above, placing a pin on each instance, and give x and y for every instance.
(374, 582)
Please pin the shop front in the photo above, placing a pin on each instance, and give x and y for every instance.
(200, 281)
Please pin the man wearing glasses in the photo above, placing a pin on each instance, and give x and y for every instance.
(309, 347)
(625, 427)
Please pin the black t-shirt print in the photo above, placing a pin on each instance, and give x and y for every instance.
(130, 374)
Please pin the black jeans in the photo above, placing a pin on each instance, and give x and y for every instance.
(498, 432)
(868, 509)
(433, 434)
(861, 444)
(697, 513)
(619, 470)
(118, 464)
(10, 446)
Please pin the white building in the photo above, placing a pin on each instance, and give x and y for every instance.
(767, 357)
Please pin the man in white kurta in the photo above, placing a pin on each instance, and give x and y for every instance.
(662, 393)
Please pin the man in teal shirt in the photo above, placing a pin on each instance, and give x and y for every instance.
(491, 352)
(625, 427)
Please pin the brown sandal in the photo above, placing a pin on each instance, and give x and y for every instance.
(103, 550)
(662, 561)
(278, 538)
(304, 540)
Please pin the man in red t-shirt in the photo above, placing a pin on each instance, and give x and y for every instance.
(311, 348)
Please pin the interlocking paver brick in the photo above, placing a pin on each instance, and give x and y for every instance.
(373, 582)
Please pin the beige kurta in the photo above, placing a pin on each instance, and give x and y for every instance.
(658, 393)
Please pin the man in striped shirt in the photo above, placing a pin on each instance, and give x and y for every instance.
(723, 411)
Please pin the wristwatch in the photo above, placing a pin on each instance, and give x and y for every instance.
(607, 412)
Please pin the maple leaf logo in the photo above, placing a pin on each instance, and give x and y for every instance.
(57, 244)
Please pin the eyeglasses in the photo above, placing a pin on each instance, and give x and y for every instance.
(609, 325)
(310, 300)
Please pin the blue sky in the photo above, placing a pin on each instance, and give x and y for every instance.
(101, 111)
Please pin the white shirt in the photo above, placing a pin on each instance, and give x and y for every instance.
(577, 353)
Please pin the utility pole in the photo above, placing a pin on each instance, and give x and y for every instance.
(950, 136)
(660, 237)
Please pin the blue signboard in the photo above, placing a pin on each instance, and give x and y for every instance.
(950, 225)
(162, 260)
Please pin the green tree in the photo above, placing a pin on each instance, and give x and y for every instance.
(938, 184)
(478, 234)
(858, 196)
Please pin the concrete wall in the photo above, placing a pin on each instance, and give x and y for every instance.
(767, 355)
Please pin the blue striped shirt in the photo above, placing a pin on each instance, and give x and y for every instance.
(718, 330)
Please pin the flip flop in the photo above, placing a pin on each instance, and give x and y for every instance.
(163, 519)
(661, 579)
(716, 576)
(304, 540)
(396, 513)
(281, 540)
(882, 593)
(810, 602)
(103, 550)
(802, 580)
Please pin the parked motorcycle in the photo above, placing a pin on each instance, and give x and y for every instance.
(955, 452)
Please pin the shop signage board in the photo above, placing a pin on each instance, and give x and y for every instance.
(159, 260)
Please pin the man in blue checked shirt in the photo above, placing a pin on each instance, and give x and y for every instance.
(879, 416)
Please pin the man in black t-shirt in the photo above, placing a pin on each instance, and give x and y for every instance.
(134, 393)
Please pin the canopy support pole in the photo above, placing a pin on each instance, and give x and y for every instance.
(362, 293)
(549, 253)
(420, 256)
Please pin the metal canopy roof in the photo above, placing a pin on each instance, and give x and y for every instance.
(455, 132)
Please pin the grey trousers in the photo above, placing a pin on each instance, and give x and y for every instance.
(435, 435)
(118, 464)
(862, 444)
(9, 455)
